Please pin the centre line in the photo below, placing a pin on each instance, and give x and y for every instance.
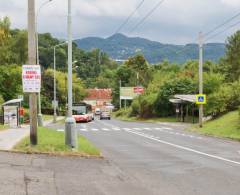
(184, 148)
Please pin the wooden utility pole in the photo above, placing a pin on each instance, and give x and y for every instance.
(32, 61)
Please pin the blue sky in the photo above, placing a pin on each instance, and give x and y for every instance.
(175, 21)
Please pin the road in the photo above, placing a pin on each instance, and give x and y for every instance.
(165, 159)
(139, 158)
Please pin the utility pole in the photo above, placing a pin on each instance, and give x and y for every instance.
(70, 123)
(54, 88)
(32, 61)
(200, 77)
(120, 100)
(40, 119)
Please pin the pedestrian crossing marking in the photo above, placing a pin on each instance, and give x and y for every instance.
(162, 129)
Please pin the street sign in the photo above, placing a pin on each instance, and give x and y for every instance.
(201, 99)
(54, 103)
(138, 90)
(20, 97)
(31, 78)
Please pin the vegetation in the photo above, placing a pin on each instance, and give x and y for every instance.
(53, 142)
(227, 126)
(95, 69)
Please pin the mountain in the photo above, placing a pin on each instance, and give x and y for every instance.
(119, 46)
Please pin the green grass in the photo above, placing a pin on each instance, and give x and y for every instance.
(227, 126)
(47, 117)
(51, 141)
(162, 119)
(3, 127)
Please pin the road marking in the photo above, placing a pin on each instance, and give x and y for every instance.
(137, 129)
(146, 128)
(184, 148)
(105, 129)
(127, 129)
(116, 129)
(94, 129)
(60, 130)
(83, 129)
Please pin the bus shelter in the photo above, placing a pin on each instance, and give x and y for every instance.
(182, 103)
(12, 111)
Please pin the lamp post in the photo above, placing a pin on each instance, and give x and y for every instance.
(70, 123)
(40, 119)
(54, 83)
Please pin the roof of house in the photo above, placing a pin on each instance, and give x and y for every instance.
(99, 94)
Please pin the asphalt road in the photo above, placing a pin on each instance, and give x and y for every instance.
(140, 159)
(165, 159)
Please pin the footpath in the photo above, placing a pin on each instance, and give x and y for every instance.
(10, 137)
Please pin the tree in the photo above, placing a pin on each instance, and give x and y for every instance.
(231, 63)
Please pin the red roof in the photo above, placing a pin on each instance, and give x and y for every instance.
(99, 94)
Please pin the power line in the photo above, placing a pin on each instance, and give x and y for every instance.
(231, 26)
(129, 17)
(146, 16)
(221, 25)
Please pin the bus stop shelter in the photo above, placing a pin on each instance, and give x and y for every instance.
(182, 103)
(11, 112)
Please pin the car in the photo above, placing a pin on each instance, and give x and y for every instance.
(82, 117)
(97, 111)
(105, 115)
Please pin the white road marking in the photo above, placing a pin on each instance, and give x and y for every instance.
(167, 128)
(116, 129)
(137, 129)
(94, 129)
(146, 128)
(185, 148)
(60, 130)
(105, 129)
(83, 129)
(126, 129)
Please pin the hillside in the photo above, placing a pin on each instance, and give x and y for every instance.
(120, 46)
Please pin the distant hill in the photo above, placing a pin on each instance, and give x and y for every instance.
(121, 47)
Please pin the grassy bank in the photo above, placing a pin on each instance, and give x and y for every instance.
(124, 115)
(51, 141)
(227, 126)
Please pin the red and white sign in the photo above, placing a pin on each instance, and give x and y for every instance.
(139, 90)
(31, 78)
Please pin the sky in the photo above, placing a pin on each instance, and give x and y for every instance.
(174, 21)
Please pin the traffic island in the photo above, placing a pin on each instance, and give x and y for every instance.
(52, 142)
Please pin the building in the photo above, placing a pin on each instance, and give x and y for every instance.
(99, 98)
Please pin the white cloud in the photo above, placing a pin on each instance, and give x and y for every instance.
(173, 22)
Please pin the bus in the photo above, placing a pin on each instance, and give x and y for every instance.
(82, 112)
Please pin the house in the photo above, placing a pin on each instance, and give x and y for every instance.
(99, 98)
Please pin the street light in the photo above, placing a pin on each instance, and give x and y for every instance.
(70, 123)
(40, 119)
(54, 82)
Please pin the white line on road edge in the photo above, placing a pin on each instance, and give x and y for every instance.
(184, 148)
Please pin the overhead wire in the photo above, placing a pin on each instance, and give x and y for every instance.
(222, 24)
(129, 17)
(146, 16)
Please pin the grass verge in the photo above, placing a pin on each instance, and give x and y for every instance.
(52, 142)
(226, 126)
(3, 127)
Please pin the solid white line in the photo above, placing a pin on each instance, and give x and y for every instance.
(185, 148)
(94, 129)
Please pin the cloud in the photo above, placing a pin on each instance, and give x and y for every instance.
(173, 22)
